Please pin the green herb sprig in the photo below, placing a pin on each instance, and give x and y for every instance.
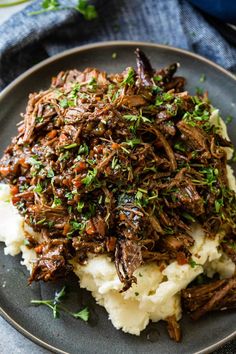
(88, 11)
(56, 306)
(193, 264)
(129, 79)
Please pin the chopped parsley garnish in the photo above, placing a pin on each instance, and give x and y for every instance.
(228, 119)
(26, 242)
(133, 142)
(233, 245)
(211, 175)
(39, 120)
(65, 156)
(40, 222)
(69, 196)
(199, 91)
(57, 202)
(200, 116)
(83, 149)
(193, 264)
(129, 78)
(202, 78)
(141, 198)
(90, 178)
(38, 188)
(34, 162)
(71, 146)
(23, 187)
(76, 226)
(218, 205)
(163, 98)
(169, 230)
(233, 159)
(64, 103)
(137, 118)
(188, 216)
(50, 173)
(80, 206)
(157, 78)
(114, 163)
(180, 146)
(92, 85)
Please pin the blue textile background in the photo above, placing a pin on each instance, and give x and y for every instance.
(26, 40)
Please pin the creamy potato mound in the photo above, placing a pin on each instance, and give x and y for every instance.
(156, 294)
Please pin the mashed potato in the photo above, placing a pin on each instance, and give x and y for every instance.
(156, 294)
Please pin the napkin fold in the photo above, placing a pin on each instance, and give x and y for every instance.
(26, 40)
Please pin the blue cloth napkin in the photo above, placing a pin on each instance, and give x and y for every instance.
(26, 40)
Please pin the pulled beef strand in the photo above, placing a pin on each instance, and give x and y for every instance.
(144, 68)
(218, 295)
(120, 164)
(173, 328)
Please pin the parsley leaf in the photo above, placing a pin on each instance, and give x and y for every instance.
(64, 103)
(137, 118)
(188, 216)
(80, 206)
(133, 142)
(228, 119)
(218, 204)
(34, 162)
(88, 11)
(57, 202)
(83, 314)
(71, 146)
(129, 78)
(50, 173)
(180, 146)
(192, 263)
(91, 175)
(83, 149)
(202, 78)
(38, 188)
(56, 306)
(39, 120)
(199, 91)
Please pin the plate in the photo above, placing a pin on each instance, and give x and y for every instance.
(68, 335)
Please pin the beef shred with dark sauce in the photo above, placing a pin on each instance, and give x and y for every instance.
(119, 164)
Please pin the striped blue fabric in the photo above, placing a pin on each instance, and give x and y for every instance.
(26, 40)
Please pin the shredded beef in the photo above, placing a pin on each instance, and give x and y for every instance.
(119, 164)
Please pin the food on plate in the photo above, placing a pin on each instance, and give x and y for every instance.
(123, 179)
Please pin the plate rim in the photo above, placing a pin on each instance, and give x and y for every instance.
(127, 43)
(69, 52)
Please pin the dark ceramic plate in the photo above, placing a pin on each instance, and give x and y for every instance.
(99, 336)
